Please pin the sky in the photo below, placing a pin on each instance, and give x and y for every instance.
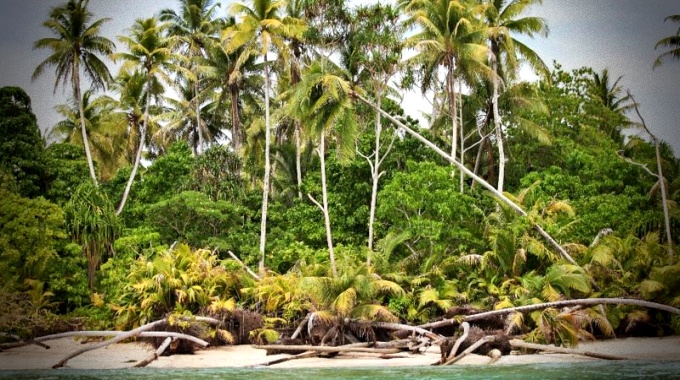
(615, 34)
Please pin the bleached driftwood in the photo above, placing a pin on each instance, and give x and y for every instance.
(345, 348)
(155, 354)
(476, 345)
(562, 350)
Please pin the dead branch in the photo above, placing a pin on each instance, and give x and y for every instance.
(562, 350)
(304, 355)
(155, 354)
(466, 331)
(244, 266)
(300, 326)
(399, 326)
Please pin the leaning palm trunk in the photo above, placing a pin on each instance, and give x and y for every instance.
(138, 155)
(375, 174)
(83, 130)
(465, 170)
(267, 167)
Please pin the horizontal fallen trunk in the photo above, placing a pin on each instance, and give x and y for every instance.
(403, 327)
(131, 334)
(562, 350)
(145, 334)
(155, 354)
(304, 355)
(346, 348)
(530, 308)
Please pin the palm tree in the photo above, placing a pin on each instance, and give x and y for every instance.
(672, 42)
(500, 19)
(322, 99)
(611, 96)
(260, 30)
(450, 38)
(105, 142)
(150, 52)
(75, 46)
(195, 28)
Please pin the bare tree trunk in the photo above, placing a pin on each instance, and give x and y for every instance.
(324, 199)
(662, 181)
(201, 138)
(562, 350)
(86, 142)
(298, 158)
(461, 133)
(375, 175)
(235, 119)
(451, 93)
(267, 168)
(138, 156)
(497, 126)
(155, 354)
(481, 181)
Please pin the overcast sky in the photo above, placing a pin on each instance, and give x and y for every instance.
(616, 34)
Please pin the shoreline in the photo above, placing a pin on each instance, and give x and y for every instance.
(125, 355)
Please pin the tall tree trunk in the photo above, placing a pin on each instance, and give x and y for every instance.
(451, 89)
(267, 167)
(469, 173)
(235, 118)
(461, 132)
(86, 143)
(375, 175)
(497, 120)
(324, 200)
(201, 139)
(298, 158)
(138, 155)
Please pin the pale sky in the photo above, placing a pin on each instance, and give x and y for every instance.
(616, 34)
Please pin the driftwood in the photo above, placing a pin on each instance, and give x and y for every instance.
(20, 342)
(304, 355)
(399, 326)
(300, 326)
(562, 350)
(466, 331)
(130, 334)
(486, 339)
(155, 354)
(529, 308)
(345, 348)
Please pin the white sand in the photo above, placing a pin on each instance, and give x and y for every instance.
(125, 355)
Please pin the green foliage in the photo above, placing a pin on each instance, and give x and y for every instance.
(21, 146)
(177, 280)
(67, 169)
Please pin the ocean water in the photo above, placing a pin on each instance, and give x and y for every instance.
(614, 370)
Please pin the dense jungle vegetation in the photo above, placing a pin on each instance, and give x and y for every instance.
(251, 132)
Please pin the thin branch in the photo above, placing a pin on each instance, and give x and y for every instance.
(630, 161)
(244, 266)
(311, 198)
(459, 341)
(486, 339)
(155, 354)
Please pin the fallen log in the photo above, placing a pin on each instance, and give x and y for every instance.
(529, 308)
(307, 354)
(466, 331)
(300, 326)
(130, 334)
(345, 348)
(144, 334)
(562, 350)
(479, 343)
(399, 326)
(155, 354)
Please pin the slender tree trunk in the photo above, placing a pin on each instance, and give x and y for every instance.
(497, 123)
(375, 174)
(298, 158)
(481, 181)
(451, 89)
(461, 132)
(201, 138)
(235, 119)
(324, 200)
(267, 167)
(138, 156)
(86, 142)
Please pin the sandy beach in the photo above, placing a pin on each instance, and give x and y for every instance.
(127, 354)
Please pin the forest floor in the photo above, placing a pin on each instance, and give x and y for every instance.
(123, 355)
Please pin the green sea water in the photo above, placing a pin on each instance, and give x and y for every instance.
(572, 371)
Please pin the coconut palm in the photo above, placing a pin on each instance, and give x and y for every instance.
(150, 52)
(672, 42)
(322, 98)
(194, 26)
(450, 37)
(500, 19)
(75, 46)
(106, 142)
(260, 30)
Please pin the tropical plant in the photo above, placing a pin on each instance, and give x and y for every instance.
(75, 47)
